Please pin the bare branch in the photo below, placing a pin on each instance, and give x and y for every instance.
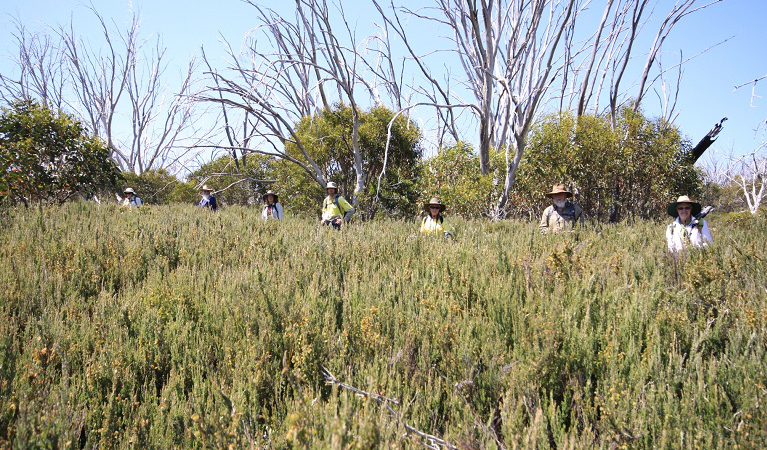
(431, 441)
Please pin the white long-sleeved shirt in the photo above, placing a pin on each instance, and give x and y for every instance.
(275, 212)
(679, 235)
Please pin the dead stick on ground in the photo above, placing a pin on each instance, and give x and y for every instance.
(432, 442)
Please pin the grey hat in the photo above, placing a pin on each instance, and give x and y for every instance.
(331, 185)
(129, 191)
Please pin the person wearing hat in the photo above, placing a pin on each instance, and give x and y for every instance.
(272, 207)
(563, 214)
(434, 223)
(335, 209)
(686, 229)
(208, 200)
(131, 200)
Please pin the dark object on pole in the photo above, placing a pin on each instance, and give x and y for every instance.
(702, 214)
(706, 142)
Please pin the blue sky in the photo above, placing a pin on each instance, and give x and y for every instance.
(707, 92)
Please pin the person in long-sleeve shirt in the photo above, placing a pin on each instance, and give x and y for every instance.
(563, 214)
(208, 200)
(335, 209)
(272, 208)
(686, 229)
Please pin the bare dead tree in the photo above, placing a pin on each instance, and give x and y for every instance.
(290, 70)
(510, 53)
(611, 49)
(749, 172)
(116, 85)
(124, 79)
(42, 75)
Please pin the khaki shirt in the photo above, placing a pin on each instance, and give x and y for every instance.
(555, 220)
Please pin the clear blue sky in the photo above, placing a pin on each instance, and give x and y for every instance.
(706, 96)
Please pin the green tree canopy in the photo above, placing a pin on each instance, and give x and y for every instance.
(632, 170)
(452, 176)
(49, 157)
(235, 184)
(329, 138)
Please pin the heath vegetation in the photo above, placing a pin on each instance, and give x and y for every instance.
(170, 327)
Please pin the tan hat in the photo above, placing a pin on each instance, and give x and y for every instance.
(331, 185)
(129, 191)
(206, 188)
(268, 193)
(683, 199)
(559, 189)
(434, 202)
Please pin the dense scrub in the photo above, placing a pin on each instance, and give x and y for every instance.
(170, 327)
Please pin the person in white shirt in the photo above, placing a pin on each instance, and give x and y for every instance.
(272, 208)
(686, 229)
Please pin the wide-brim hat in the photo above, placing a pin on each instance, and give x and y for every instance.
(206, 188)
(683, 199)
(559, 189)
(331, 185)
(129, 191)
(434, 202)
(268, 193)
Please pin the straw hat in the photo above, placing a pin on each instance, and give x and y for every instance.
(206, 188)
(331, 185)
(268, 193)
(683, 199)
(559, 189)
(434, 202)
(129, 191)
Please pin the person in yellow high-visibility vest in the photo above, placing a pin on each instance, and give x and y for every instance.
(335, 209)
(434, 223)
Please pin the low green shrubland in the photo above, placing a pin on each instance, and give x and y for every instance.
(170, 327)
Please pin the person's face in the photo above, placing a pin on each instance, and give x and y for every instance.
(685, 211)
(561, 197)
(433, 210)
(129, 195)
(331, 192)
(270, 199)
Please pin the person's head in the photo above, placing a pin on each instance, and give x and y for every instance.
(331, 188)
(206, 191)
(270, 198)
(684, 208)
(559, 195)
(129, 193)
(434, 207)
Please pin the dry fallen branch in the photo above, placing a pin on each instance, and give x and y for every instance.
(430, 441)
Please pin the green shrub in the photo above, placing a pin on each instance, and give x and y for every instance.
(170, 327)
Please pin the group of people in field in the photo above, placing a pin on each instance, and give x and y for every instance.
(688, 228)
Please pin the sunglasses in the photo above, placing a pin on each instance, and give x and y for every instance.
(433, 207)
(684, 208)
